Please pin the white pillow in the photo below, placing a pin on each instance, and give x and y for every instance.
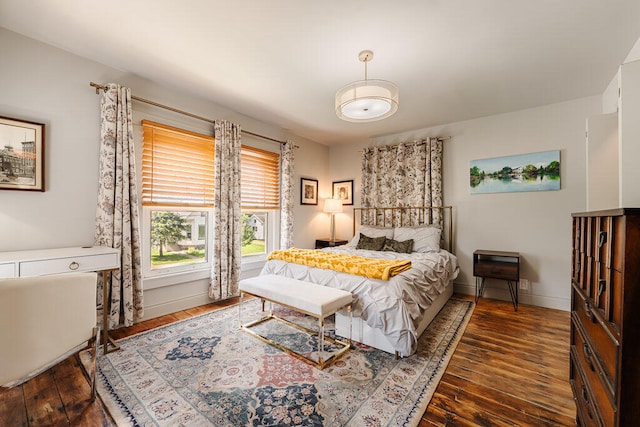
(426, 238)
(371, 231)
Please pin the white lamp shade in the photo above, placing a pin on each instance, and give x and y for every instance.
(333, 205)
(367, 101)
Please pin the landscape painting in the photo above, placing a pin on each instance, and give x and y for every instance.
(525, 172)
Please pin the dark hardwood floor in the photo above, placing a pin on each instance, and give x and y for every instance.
(510, 368)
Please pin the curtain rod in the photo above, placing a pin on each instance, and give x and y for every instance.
(185, 113)
(439, 138)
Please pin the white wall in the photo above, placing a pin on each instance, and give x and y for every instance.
(44, 84)
(536, 224)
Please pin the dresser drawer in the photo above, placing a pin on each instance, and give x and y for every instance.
(69, 265)
(587, 412)
(605, 344)
(590, 366)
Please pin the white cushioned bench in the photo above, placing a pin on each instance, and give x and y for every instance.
(308, 298)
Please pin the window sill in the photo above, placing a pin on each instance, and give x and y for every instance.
(176, 278)
(155, 282)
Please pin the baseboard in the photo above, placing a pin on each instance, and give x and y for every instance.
(502, 294)
(152, 311)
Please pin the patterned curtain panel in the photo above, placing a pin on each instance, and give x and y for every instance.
(286, 195)
(407, 174)
(117, 222)
(226, 212)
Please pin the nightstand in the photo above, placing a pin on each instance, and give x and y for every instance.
(328, 243)
(497, 265)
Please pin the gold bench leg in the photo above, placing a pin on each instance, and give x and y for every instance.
(321, 362)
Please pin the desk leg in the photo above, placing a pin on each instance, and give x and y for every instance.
(479, 287)
(513, 291)
(106, 339)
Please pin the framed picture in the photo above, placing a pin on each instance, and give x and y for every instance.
(523, 172)
(308, 191)
(21, 155)
(343, 190)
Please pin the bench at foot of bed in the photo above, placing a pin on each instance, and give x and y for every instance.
(307, 298)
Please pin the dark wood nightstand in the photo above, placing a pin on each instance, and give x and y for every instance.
(497, 265)
(328, 243)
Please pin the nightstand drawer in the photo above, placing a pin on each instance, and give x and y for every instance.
(69, 265)
(496, 270)
(328, 243)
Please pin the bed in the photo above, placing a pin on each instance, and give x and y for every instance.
(390, 314)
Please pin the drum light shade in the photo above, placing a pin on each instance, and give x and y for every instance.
(366, 100)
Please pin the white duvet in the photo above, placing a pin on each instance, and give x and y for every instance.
(394, 306)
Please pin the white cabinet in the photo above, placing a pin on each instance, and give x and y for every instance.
(613, 149)
(602, 162)
(57, 261)
(629, 130)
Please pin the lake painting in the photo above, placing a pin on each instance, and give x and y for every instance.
(525, 172)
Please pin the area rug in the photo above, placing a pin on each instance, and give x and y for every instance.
(206, 371)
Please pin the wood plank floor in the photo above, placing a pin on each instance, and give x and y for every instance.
(510, 369)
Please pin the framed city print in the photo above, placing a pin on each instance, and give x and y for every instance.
(21, 155)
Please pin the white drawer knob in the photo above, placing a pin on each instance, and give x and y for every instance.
(74, 266)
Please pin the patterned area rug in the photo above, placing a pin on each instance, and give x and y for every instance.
(206, 371)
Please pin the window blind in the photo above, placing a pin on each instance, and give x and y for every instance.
(260, 178)
(177, 167)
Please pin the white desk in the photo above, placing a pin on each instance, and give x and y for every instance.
(64, 260)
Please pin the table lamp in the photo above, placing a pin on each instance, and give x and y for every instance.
(333, 206)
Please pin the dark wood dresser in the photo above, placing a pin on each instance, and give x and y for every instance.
(605, 317)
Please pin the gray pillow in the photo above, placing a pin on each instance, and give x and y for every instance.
(370, 243)
(405, 247)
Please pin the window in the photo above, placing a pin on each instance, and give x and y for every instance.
(177, 199)
(260, 190)
(178, 194)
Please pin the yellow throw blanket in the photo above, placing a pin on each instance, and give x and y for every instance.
(352, 264)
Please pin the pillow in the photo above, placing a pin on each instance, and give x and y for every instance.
(371, 231)
(370, 243)
(426, 238)
(405, 247)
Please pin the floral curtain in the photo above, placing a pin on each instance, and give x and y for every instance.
(117, 222)
(286, 195)
(407, 174)
(226, 212)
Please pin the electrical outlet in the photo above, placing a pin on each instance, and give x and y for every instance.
(524, 284)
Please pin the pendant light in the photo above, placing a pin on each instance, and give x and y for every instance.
(366, 100)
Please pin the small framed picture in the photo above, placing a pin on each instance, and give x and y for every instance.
(21, 155)
(308, 191)
(343, 190)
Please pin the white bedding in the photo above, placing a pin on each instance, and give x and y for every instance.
(394, 306)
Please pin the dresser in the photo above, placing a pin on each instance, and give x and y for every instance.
(63, 260)
(605, 317)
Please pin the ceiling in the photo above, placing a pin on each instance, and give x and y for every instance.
(281, 61)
